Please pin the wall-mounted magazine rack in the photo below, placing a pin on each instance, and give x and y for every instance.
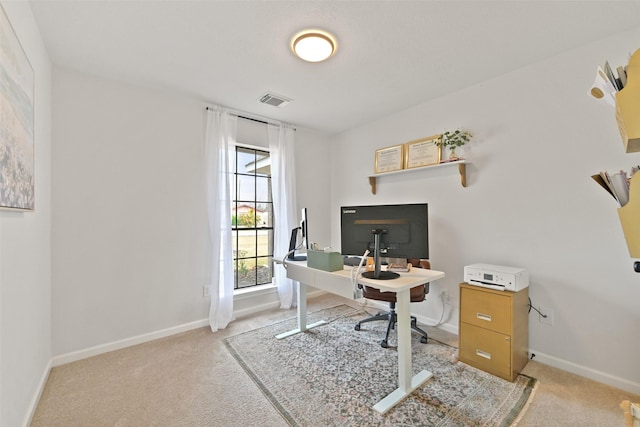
(628, 106)
(630, 217)
(627, 102)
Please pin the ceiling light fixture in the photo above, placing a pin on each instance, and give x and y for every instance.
(313, 45)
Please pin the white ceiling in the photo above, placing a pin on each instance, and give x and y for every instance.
(391, 54)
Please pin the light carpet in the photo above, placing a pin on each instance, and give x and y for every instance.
(332, 375)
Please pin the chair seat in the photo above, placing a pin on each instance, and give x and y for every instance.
(417, 294)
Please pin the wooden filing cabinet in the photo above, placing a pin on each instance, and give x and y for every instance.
(494, 330)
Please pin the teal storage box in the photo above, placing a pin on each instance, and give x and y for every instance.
(327, 261)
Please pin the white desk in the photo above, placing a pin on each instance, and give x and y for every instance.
(339, 283)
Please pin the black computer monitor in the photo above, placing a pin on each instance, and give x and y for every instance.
(293, 242)
(395, 231)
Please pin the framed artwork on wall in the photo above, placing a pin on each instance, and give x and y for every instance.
(17, 165)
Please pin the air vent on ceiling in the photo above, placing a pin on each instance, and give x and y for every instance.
(275, 100)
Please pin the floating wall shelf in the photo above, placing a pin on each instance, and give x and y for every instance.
(462, 169)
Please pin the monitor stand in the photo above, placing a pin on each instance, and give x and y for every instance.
(292, 247)
(377, 274)
(382, 275)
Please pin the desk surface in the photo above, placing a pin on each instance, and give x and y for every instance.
(408, 280)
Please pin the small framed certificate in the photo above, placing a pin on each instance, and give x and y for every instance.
(389, 159)
(423, 152)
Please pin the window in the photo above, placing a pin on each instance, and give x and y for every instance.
(252, 217)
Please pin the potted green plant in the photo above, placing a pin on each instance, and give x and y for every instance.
(454, 139)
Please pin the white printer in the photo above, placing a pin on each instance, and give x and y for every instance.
(496, 277)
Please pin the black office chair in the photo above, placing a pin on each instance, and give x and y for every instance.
(417, 294)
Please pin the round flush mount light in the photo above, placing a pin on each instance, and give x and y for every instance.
(313, 45)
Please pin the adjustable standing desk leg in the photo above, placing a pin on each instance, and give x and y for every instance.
(404, 343)
(406, 384)
(302, 314)
(302, 307)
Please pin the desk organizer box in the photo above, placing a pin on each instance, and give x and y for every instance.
(327, 261)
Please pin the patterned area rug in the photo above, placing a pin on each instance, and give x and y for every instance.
(332, 375)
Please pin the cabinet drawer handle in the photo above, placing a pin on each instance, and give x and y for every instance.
(483, 316)
(483, 354)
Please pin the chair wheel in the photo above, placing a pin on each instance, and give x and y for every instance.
(423, 340)
(384, 344)
(357, 328)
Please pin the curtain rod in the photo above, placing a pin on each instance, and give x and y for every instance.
(260, 120)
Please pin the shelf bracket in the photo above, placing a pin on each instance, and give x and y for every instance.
(462, 168)
(372, 183)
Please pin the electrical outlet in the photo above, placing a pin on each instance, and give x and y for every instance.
(549, 313)
(444, 295)
(205, 291)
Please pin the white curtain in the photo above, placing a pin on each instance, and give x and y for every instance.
(219, 141)
(283, 181)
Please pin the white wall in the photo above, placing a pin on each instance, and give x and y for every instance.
(313, 186)
(530, 202)
(25, 252)
(129, 213)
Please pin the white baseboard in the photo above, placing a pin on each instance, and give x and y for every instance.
(31, 410)
(315, 293)
(127, 342)
(453, 329)
(592, 374)
(254, 300)
(255, 309)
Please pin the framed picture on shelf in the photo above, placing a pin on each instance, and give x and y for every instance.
(423, 152)
(389, 159)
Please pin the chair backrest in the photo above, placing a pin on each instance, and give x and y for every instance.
(417, 294)
(419, 263)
